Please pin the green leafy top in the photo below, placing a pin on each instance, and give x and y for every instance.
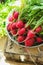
(31, 12)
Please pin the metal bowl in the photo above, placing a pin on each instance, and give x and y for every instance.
(13, 38)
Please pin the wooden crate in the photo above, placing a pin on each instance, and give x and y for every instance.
(14, 51)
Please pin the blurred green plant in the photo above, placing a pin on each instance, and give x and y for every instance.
(5, 8)
(8, 5)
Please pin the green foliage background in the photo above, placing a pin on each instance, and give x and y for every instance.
(8, 5)
(5, 8)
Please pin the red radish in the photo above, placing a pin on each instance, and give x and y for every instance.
(19, 24)
(29, 42)
(21, 31)
(30, 34)
(11, 18)
(9, 27)
(13, 32)
(38, 29)
(15, 14)
(13, 25)
(20, 38)
(39, 39)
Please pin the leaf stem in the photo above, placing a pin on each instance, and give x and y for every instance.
(39, 22)
(27, 24)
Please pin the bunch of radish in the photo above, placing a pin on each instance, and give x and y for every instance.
(23, 33)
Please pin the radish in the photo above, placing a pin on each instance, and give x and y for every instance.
(13, 32)
(15, 14)
(20, 38)
(13, 25)
(29, 42)
(38, 29)
(11, 18)
(39, 39)
(9, 27)
(19, 24)
(30, 34)
(21, 31)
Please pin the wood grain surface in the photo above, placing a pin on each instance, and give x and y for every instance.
(12, 62)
